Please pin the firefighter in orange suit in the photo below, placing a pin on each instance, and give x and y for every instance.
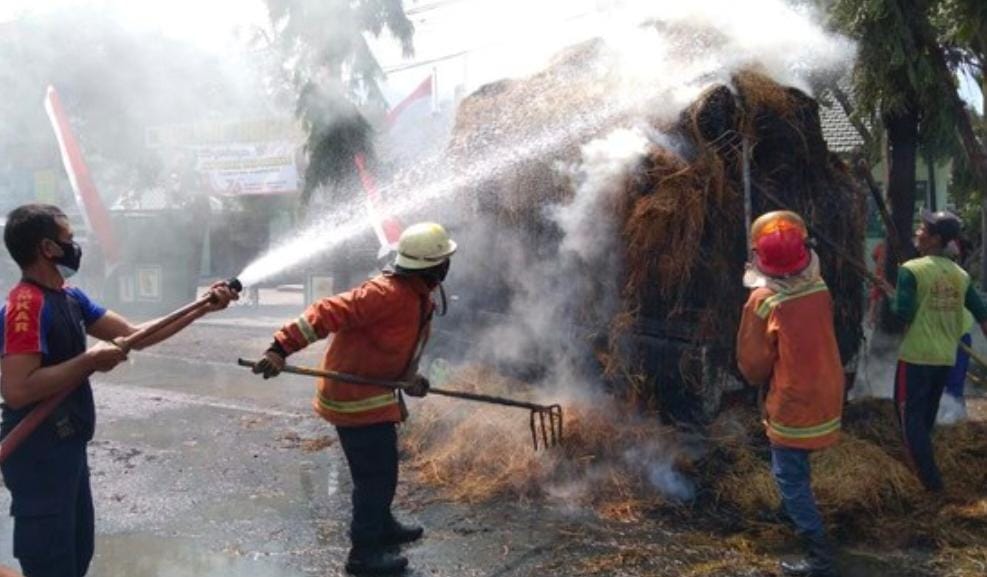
(379, 330)
(787, 344)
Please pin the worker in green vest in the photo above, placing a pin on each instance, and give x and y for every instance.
(933, 295)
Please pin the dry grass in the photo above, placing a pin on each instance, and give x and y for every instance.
(678, 200)
(758, 91)
(477, 453)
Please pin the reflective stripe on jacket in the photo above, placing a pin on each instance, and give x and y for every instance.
(378, 329)
(787, 342)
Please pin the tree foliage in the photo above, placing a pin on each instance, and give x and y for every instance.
(963, 30)
(910, 52)
(328, 61)
(895, 73)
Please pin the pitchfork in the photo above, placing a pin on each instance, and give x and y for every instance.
(545, 421)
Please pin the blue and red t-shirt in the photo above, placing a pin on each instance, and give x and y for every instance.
(34, 315)
(51, 323)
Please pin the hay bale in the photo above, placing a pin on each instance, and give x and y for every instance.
(747, 486)
(857, 478)
(682, 223)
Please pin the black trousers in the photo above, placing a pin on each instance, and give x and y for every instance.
(372, 454)
(917, 392)
(60, 544)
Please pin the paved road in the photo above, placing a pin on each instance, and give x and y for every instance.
(201, 469)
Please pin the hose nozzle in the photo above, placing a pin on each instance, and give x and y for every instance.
(235, 285)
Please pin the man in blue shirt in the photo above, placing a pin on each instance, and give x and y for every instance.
(42, 353)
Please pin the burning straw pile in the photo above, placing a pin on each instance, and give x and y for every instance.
(610, 462)
(624, 467)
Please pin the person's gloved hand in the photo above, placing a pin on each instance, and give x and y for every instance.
(419, 386)
(270, 365)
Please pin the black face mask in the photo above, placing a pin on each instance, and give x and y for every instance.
(441, 271)
(435, 275)
(68, 263)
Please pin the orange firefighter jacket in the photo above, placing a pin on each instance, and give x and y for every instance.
(378, 330)
(787, 342)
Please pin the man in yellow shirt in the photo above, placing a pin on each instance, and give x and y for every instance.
(932, 296)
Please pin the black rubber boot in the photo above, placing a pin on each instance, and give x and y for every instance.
(819, 561)
(397, 533)
(822, 557)
(374, 561)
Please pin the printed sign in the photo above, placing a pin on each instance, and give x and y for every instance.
(249, 168)
(149, 283)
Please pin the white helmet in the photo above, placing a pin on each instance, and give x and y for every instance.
(424, 245)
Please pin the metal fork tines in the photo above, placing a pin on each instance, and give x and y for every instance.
(546, 422)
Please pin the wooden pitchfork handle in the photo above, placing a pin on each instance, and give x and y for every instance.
(402, 385)
(45, 408)
(973, 354)
(547, 417)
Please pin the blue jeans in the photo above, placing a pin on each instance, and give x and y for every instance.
(793, 476)
(957, 376)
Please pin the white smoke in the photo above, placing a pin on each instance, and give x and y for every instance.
(587, 222)
(655, 463)
(782, 37)
(562, 295)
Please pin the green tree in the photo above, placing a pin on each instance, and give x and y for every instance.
(905, 81)
(894, 83)
(328, 65)
(963, 26)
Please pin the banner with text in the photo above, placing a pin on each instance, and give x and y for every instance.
(248, 168)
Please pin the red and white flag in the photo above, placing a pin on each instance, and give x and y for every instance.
(388, 228)
(424, 91)
(94, 212)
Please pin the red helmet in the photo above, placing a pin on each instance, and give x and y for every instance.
(779, 240)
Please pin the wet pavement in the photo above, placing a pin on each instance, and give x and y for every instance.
(199, 468)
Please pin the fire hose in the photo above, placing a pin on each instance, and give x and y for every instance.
(545, 419)
(45, 408)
